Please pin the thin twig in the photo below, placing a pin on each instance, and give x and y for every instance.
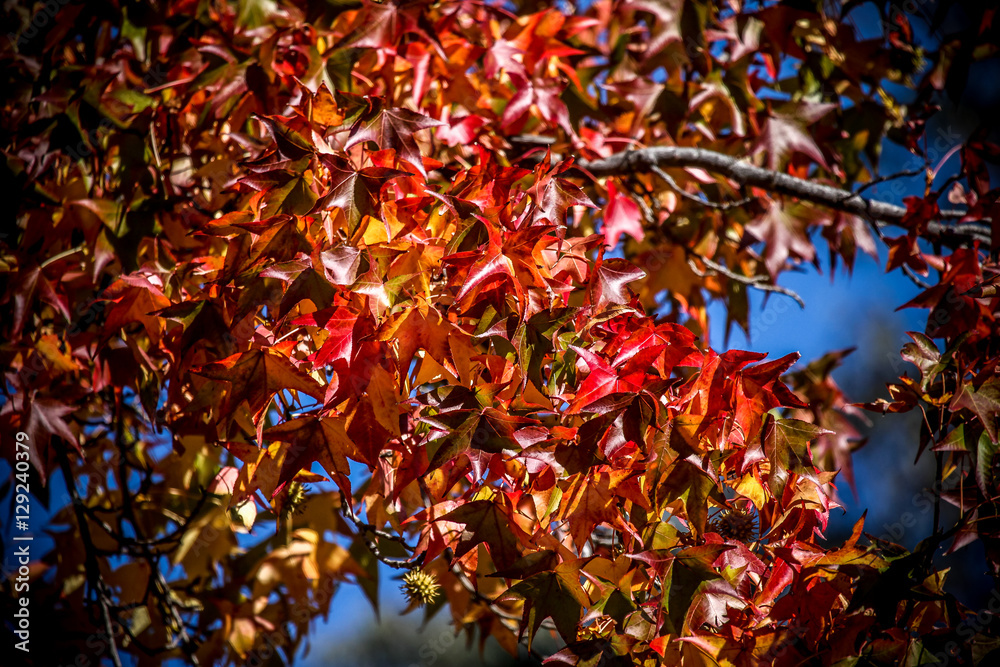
(907, 271)
(367, 530)
(467, 584)
(94, 580)
(647, 212)
(505, 617)
(891, 177)
(142, 547)
(757, 282)
(938, 464)
(912, 275)
(152, 141)
(367, 527)
(187, 643)
(703, 201)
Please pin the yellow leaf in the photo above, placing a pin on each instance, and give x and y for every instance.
(750, 488)
(385, 399)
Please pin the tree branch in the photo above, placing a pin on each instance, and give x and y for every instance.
(757, 282)
(366, 530)
(746, 174)
(907, 271)
(722, 206)
(471, 589)
(93, 571)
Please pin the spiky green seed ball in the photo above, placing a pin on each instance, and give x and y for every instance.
(420, 587)
(295, 497)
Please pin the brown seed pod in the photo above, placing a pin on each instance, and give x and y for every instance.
(735, 523)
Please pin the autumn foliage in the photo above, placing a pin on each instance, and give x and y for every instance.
(292, 290)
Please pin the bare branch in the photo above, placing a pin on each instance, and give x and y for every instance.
(909, 173)
(92, 569)
(367, 531)
(907, 271)
(746, 174)
(471, 589)
(722, 206)
(757, 282)
(914, 278)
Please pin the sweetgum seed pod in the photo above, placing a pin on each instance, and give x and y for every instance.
(420, 587)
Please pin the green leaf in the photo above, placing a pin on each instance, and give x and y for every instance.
(923, 354)
(953, 442)
(682, 584)
(786, 445)
(984, 403)
(393, 128)
(693, 485)
(485, 521)
(986, 450)
(556, 595)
